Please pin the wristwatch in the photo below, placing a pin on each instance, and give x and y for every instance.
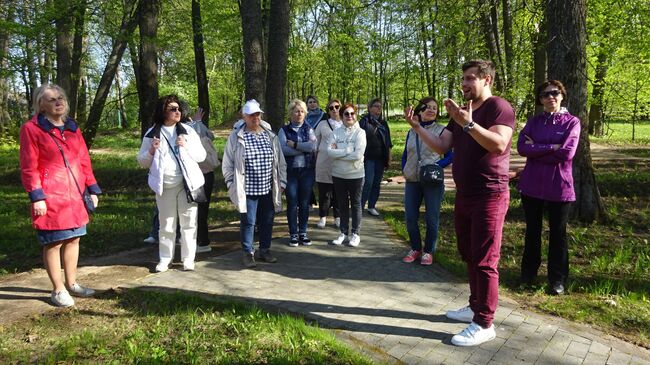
(468, 127)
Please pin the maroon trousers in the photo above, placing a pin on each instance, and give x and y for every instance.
(479, 227)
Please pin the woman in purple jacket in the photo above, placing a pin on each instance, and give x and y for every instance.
(549, 142)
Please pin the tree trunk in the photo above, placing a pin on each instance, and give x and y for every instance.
(5, 117)
(567, 62)
(507, 45)
(82, 102)
(199, 62)
(124, 123)
(490, 40)
(276, 77)
(597, 102)
(77, 54)
(539, 61)
(253, 46)
(148, 57)
(129, 21)
(64, 45)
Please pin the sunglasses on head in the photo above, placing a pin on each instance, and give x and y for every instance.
(332, 107)
(349, 114)
(174, 109)
(553, 93)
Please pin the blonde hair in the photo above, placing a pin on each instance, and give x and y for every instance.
(295, 103)
(39, 93)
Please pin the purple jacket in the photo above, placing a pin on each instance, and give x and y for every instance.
(548, 174)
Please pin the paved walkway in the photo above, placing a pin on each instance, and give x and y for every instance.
(392, 310)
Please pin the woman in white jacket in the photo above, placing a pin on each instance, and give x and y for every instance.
(346, 147)
(255, 173)
(172, 151)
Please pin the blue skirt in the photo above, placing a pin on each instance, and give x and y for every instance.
(45, 237)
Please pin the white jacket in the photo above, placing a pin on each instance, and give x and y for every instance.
(347, 156)
(234, 169)
(190, 156)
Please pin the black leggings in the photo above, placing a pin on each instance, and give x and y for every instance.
(558, 252)
(348, 193)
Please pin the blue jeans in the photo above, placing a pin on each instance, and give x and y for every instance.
(414, 193)
(300, 183)
(374, 170)
(257, 207)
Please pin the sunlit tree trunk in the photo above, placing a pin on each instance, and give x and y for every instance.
(567, 59)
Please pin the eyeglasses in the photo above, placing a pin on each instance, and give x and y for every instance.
(349, 114)
(174, 109)
(332, 107)
(553, 93)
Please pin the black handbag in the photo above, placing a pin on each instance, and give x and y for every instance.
(430, 174)
(85, 195)
(193, 196)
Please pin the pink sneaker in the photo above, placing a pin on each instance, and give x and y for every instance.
(426, 259)
(411, 256)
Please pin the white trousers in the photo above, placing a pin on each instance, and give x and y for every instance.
(172, 205)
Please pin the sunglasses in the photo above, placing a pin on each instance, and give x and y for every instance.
(553, 93)
(174, 109)
(349, 114)
(332, 107)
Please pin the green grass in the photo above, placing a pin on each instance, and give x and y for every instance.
(620, 133)
(137, 326)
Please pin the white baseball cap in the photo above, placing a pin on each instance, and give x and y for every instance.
(251, 107)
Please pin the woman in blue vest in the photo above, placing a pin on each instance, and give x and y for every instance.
(299, 144)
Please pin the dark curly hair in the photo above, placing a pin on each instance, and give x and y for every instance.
(540, 88)
(161, 108)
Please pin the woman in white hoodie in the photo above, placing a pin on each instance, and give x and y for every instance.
(172, 151)
(346, 147)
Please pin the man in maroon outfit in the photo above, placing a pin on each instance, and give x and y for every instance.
(480, 134)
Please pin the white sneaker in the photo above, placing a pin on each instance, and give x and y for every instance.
(373, 211)
(474, 335)
(337, 222)
(62, 299)
(203, 249)
(339, 241)
(321, 222)
(162, 266)
(150, 240)
(354, 240)
(464, 314)
(80, 291)
(188, 265)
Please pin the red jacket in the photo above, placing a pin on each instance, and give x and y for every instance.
(45, 176)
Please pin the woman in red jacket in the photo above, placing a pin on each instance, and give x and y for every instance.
(58, 211)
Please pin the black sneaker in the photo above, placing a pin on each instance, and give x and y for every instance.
(267, 257)
(304, 239)
(248, 261)
(293, 240)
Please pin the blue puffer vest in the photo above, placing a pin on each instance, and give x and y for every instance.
(310, 157)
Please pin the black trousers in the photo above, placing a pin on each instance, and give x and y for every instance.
(558, 252)
(327, 199)
(202, 238)
(348, 193)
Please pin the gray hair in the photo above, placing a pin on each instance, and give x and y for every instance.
(37, 98)
(297, 103)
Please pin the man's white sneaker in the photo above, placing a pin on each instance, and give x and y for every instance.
(474, 335)
(339, 241)
(188, 265)
(62, 299)
(150, 240)
(337, 222)
(354, 240)
(80, 291)
(464, 314)
(162, 266)
(203, 249)
(321, 222)
(373, 211)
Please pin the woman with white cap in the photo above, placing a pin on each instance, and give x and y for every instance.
(255, 173)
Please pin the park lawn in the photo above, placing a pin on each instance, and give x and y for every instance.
(136, 326)
(609, 262)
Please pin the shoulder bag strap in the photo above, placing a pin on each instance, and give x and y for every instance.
(67, 165)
